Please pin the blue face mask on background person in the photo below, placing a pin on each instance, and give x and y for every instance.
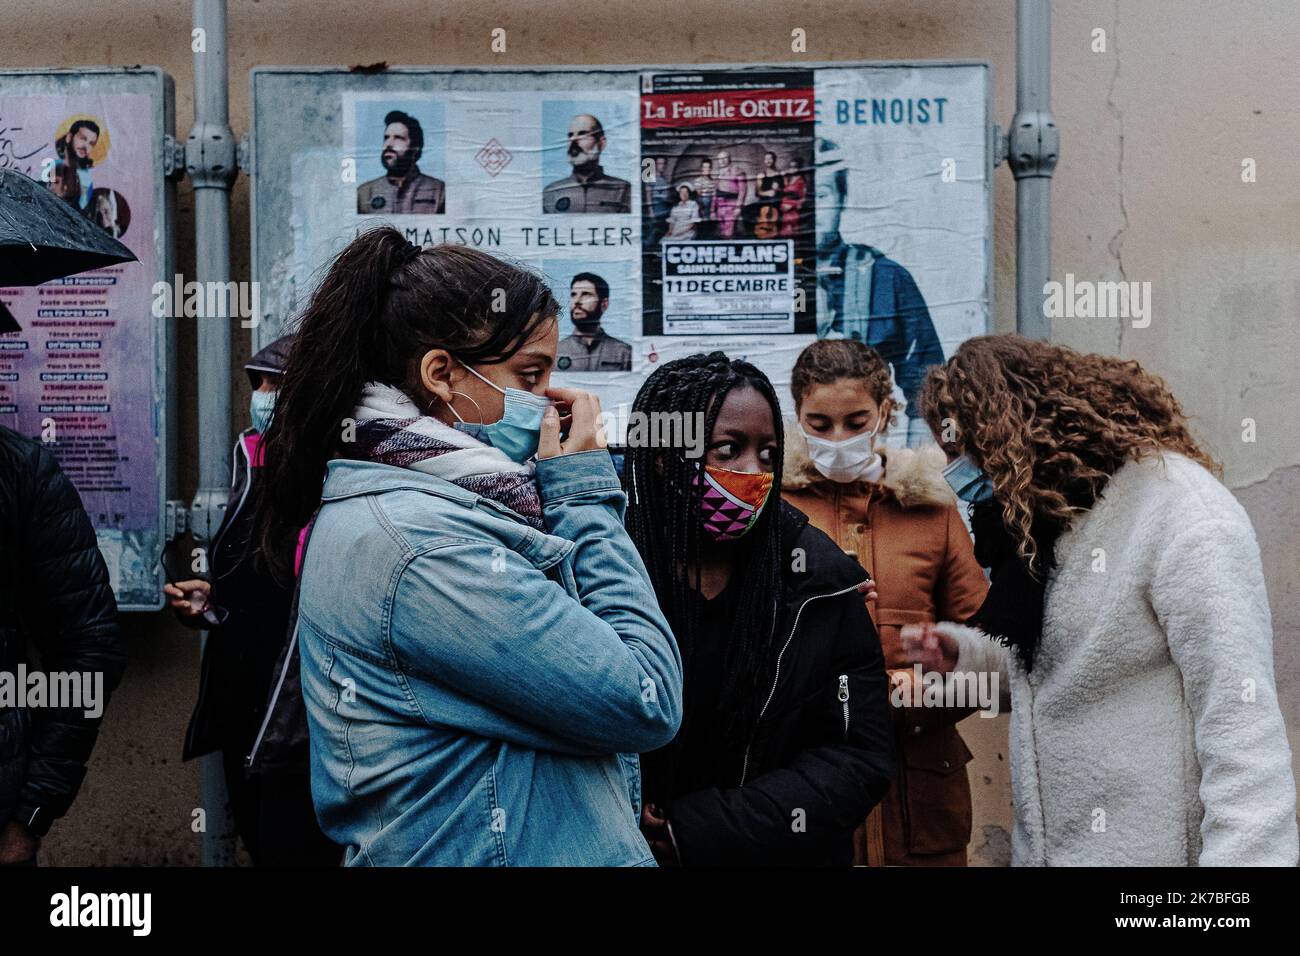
(520, 427)
(967, 481)
(260, 406)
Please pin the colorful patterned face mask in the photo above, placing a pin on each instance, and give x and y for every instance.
(732, 500)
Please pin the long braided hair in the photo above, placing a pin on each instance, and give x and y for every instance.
(664, 521)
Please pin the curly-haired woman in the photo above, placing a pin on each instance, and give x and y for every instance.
(1129, 606)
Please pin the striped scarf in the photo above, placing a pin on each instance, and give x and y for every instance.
(391, 431)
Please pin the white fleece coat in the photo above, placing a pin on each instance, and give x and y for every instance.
(1148, 731)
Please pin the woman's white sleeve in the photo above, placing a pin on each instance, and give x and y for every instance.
(978, 653)
(1208, 595)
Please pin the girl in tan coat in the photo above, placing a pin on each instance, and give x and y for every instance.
(891, 509)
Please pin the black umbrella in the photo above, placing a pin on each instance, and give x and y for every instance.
(42, 237)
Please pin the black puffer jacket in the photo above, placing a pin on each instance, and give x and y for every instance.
(822, 754)
(55, 593)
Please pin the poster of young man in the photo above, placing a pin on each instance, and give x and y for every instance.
(902, 217)
(402, 188)
(596, 318)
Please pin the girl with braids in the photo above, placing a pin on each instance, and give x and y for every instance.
(481, 652)
(786, 741)
(1127, 612)
(891, 509)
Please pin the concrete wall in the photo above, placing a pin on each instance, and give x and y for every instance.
(1154, 131)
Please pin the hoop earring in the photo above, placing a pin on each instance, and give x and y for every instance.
(476, 408)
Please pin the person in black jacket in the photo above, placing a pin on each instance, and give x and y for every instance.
(786, 742)
(247, 615)
(55, 593)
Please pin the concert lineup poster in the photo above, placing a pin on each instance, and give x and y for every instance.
(80, 374)
(727, 239)
(748, 210)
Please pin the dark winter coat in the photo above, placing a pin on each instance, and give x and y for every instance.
(240, 673)
(821, 755)
(241, 651)
(54, 594)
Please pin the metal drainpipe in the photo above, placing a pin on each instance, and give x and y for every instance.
(210, 164)
(1034, 146)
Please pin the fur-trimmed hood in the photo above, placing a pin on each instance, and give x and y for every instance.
(913, 476)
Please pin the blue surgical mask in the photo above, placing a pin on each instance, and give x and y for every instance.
(967, 481)
(520, 426)
(260, 407)
(473, 429)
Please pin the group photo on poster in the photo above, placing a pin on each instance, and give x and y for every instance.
(728, 156)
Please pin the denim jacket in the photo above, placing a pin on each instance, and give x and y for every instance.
(477, 690)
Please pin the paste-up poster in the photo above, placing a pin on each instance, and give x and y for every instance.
(726, 230)
(902, 217)
(80, 374)
(546, 179)
(526, 176)
(676, 211)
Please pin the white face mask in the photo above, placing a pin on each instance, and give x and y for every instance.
(852, 459)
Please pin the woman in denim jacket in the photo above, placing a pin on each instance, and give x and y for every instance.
(482, 654)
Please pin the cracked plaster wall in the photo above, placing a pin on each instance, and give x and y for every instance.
(1149, 189)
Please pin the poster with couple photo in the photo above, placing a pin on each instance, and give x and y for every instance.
(79, 375)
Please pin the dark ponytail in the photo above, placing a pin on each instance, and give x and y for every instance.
(378, 310)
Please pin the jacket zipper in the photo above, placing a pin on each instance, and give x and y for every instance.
(231, 514)
(844, 700)
(279, 682)
(226, 520)
(275, 699)
(744, 770)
